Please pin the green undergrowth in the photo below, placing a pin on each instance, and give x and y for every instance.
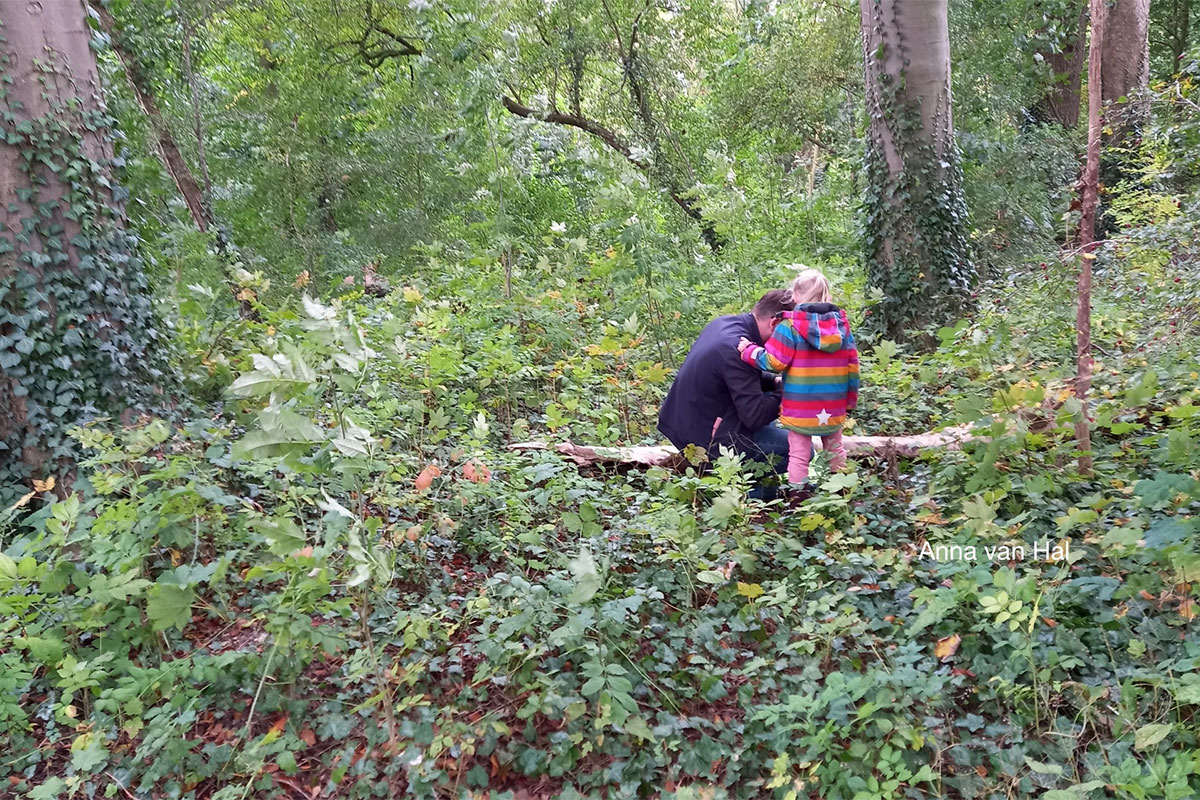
(336, 580)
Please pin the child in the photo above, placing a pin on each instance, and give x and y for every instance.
(814, 349)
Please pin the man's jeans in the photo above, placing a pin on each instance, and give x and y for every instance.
(771, 443)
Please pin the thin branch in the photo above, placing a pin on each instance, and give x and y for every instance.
(172, 159)
(688, 205)
(602, 133)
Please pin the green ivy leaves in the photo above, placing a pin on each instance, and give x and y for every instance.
(80, 339)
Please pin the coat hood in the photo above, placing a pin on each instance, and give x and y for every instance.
(822, 325)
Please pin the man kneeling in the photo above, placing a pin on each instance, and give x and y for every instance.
(717, 400)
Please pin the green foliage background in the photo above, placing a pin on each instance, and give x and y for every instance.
(328, 574)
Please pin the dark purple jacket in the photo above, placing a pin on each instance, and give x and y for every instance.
(714, 382)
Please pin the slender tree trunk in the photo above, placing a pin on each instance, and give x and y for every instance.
(1183, 32)
(176, 165)
(916, 248)
(1125, 61)
(1061, 102)
(78, 338)
(814, 164)
(1087, 236)
(197, 118)
(1177, 30)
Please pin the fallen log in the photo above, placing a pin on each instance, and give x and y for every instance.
(667, 456)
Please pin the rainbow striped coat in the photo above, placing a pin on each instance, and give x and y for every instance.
(814, 349)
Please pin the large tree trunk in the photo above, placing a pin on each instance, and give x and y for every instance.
(76, 328)
(1125, 60)
(916, 244)
(1087, 235)
(1061, 101)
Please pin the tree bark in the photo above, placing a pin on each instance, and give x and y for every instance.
(916, 248)
(1087, 235)
(78, 337)
(1125, 60)
(1061, 101)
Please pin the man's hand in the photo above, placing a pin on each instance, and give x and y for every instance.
(743, 343)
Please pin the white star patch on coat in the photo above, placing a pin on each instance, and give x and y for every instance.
(823, 417)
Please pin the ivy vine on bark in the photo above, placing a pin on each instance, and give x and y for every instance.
(914, 212)
(78, 335)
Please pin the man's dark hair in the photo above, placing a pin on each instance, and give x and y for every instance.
(774, 302)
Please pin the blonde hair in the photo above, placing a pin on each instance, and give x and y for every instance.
(810, 286)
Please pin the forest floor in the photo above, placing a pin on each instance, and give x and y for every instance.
(337, 580)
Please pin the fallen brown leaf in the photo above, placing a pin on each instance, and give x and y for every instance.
(947, 646)
(477, 472)
(24, 499)
(425, 479)
(1187, 610)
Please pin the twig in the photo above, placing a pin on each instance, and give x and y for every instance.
(258, 692)
(121, 786)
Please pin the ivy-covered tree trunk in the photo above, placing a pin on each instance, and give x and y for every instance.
(1060, 104)
(915, 215)
(77, 339)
